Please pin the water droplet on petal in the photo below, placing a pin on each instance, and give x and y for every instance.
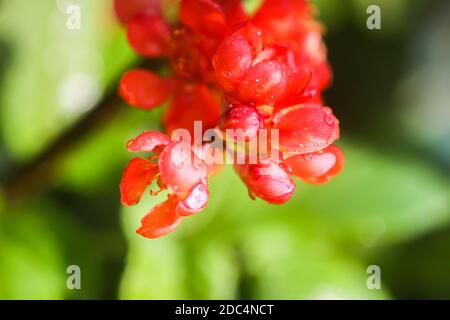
(308, 157)
(329, 119)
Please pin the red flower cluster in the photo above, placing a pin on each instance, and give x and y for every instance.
(230, 71)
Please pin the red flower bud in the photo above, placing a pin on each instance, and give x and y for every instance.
(242, 117)
(148, 141)
(149, 35)
(128, 9)
(234, 11)
(306, 128)
(136, 178)
(180, 168)
(161, 220)
(319, 167)
(282, 21)
(143, 89)
(193, 103)
(264, 83)
(204, 17)
(268, 180)
(232, 60)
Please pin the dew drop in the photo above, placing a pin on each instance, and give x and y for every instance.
(328, 118)
(308, 157)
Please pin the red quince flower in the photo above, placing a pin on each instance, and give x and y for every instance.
(177, 169)
(260, 75)
(269, 180)
(243, 117)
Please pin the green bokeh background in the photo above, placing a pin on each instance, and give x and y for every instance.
(389, 208)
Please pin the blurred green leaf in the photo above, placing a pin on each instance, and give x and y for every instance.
(31, 262)
(154, 272)
(423, 114)
(284, 263)
(38, 241)
(380, 198)
(56, 73)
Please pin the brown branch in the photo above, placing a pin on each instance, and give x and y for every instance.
(38, 174)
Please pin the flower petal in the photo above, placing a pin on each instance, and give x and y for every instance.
(243, 117)
(295, 89)
(193, 103)
(161, 220)
(196, 200)
(232, 60)
(180, 168)
(319, 167)
(136, 177)
(148, 141)
(204, 17)
(143, 89)
(149, 35)
(306, 128)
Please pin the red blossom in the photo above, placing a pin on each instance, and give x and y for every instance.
(319, 167)
(231, 71)
(178, 170)
(144, 89)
